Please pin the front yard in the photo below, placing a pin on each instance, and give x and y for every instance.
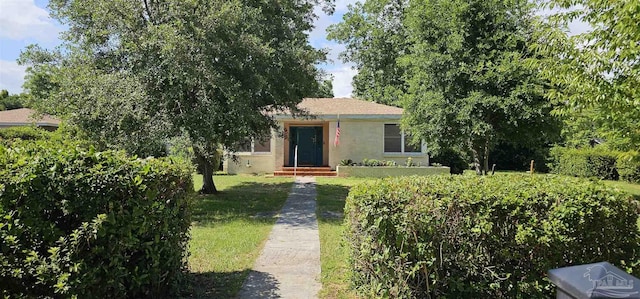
(229, 230)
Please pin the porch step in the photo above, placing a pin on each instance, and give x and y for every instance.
(306, 171)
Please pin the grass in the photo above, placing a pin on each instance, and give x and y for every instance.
(626, 186)
(227, 237)
(331, 195)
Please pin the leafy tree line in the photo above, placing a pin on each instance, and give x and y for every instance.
(133, 73)
(457, 67)
(9, 102)
(474, 75)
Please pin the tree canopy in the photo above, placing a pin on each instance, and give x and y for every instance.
(457, 67)
(207, 69)
(10, 101)
(596, 73)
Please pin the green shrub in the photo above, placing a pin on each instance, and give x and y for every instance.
(449, 157)
(483, 236)
(24, 133)
(629, 167)
(87, 224)
(584, 162)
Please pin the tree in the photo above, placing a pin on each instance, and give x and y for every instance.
(326, 89)
(597, 71)
(375, 38)
(8, 102)
(457, 68)
(211, 68)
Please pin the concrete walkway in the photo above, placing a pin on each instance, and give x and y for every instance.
(289, 265)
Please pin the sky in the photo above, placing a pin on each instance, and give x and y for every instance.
(25, 22)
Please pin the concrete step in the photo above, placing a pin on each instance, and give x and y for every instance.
(304, 173)
(306, 168)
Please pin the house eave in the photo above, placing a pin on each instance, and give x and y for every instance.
(335, 117)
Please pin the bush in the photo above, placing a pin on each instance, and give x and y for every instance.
(629, 168)
(449, 157)
(483, 236)
(23, 133)
(87, 224)
(584, 162)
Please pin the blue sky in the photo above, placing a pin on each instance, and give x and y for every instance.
(24, 22)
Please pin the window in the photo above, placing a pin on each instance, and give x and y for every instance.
(395, 141)
(262, 146)
(255, 146)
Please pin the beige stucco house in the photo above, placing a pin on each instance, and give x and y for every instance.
(367, 130)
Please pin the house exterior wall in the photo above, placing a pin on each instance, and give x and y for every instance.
(359, 139)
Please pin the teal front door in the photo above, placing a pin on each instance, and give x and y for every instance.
(309, 142)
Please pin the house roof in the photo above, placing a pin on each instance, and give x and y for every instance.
(26, 116)
(347, 106)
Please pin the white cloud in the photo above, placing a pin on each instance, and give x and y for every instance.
(342, 77)
(22, 19)
(11, 76)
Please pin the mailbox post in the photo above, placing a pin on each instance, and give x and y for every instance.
(599, 280)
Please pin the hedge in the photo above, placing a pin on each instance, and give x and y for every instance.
(629, 168)
(24, 133)
(483, 236)
(584, 162)
(77, 223)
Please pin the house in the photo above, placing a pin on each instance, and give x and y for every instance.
(27, 117)
(367, 130)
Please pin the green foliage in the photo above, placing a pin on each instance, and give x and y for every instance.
(346, 162)
(210, 69)
(629, 168)
(456, 66)
(452, 158)
(597, 162)
(87, 224)
(375, 38)
(24, 133)
(8, 102)
(597, 71)
(484, 236)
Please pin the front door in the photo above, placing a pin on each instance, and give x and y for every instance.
(309, 142)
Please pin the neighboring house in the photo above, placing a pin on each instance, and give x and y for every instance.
(367, 130)
(27, 117)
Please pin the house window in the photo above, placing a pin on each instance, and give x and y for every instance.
(262, 146)
(255, 146)
(396, 141)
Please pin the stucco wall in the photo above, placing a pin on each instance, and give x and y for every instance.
(360, 139)
(380, 172)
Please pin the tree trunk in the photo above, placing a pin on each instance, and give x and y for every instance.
(476, 158)
(486, 157)
(208, 187)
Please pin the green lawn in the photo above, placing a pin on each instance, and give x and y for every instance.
(331, 194)
(226, 235)
(625, 186)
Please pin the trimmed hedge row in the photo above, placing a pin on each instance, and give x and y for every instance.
(595, 162)
(87, 224)
(483, 236)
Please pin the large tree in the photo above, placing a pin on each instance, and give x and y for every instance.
(457, 67)
(597, 72)
(375, 38)
(210, 68)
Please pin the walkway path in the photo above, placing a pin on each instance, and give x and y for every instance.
(289, 265)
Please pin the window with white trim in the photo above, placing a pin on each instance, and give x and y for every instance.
(396, 141)
(251, 145)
